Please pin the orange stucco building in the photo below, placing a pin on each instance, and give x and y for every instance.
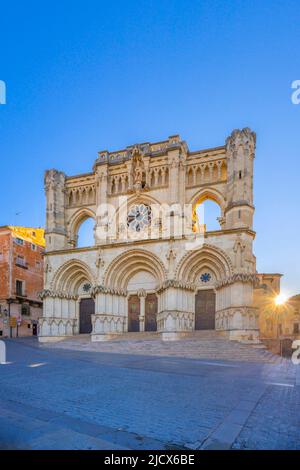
(21, 279)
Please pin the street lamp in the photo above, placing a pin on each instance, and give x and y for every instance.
(9, 301)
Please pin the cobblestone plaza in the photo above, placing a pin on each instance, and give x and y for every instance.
(58, 398)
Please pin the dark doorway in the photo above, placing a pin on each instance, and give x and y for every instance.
(87, 309)
(133, 313)
(286, 347)
(34, 329)
(205, 310)
(150, 313)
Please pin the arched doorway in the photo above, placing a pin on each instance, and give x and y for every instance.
(151, 312)
(86, 310)
(205, 310)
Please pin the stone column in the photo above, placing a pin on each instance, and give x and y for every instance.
(235, 313)
(58, 319)
(240, 153)
(110, 315)
(101, 202)
(176, 317)
(173, 157)
(142, 296)
(55, 232)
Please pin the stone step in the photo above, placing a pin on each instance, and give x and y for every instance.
(204, 344)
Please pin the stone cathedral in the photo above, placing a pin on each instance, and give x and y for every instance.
(153, 265)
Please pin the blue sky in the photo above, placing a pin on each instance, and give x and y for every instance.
(86, 76)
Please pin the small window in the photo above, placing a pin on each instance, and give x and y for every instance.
(19, 241)
(20, 261)
(33, 234)
(296, 329)
(38, 264)
(240, 175)
(33, 247)
(25, 310)
(19, 287)
(1, 257)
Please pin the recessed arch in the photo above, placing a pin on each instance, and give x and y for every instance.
(218, 208)
(75, 222)
(126, 265)
(209, 193)
(209, 257)
(71, 275)
(136, 199)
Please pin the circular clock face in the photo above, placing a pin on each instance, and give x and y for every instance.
(205, 277)
(139, 217)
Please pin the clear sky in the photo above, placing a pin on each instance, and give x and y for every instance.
(93, 75)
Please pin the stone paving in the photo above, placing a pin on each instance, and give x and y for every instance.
(54, 398)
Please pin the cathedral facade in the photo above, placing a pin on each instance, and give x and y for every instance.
(153, 265)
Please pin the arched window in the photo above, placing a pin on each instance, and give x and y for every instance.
(85, 235)
(207, 213)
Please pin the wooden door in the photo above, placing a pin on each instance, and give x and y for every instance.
(87, 309)
(151, 312)
(133, 313)
(205, 310)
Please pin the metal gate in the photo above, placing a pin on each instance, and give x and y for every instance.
(133, 313)
(87, 309)
(151, 312)
(205, 310)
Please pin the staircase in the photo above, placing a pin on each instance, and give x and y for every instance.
(202, 344)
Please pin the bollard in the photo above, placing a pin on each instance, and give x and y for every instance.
(2, 352)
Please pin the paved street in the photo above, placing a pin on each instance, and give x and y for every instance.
(55, 398)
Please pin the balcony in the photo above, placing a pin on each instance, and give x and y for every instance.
(21, 294)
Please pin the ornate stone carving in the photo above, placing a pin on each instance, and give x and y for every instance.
(175, 321)
(101, 289)
(141, 293)
(171, 257)
(176, 284)
(245, 138)
(237, 277)
(56, 294)
(108, 324)
(100, 261)
(237, 318)
(239, 248)
(53, 179)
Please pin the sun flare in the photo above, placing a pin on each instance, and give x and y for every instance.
(280, 299)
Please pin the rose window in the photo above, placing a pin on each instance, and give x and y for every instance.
(205, 277)
(139, 217)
